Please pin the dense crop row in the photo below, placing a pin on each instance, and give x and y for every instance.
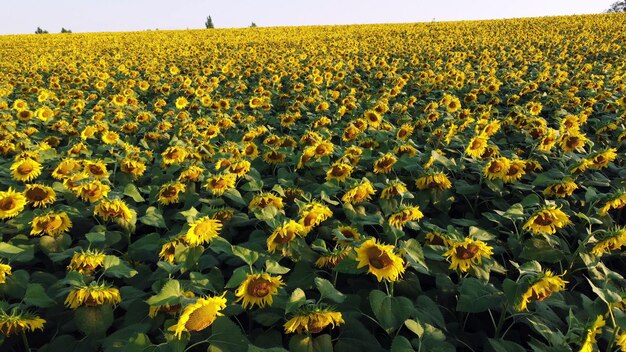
(433, 187)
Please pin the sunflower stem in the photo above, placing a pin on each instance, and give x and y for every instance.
(501, 321)
(25, 341)
(615, 331)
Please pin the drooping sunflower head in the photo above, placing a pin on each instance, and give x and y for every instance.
(199, 315)
(265, 200)
(85, 262)
(218, 184)
(114, 209)
(313, 214)
(11, 203)
(404, 215)
(349, 234)
(5, 271)
(614, 239)
(360, 193)
(394, 189)
(202, 231)
(93, 294)
(516, 170)
(616, 200)
(170, 192)
(433, 180)
(284, 234)
(17, 322)
(258, 289)
(174, 155)
(543, 285)
(240, 167)
(51, 224)
(313, 319)
(133, 167)
(339, 171)
(547, 220)
(600, 160)
(467, 253)
(561, 189)
(331, 259)
(384, 164)
(93, 191)
(96, 169)
(380, 260)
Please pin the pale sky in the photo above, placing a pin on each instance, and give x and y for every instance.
(24, 16)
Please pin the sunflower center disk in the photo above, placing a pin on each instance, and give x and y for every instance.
(378, 259)
(259, 288)
(467, 253)
(200, 319)
(543, 220)
(7, 204)
(36, 194)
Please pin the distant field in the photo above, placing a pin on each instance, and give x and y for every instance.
(416, 187)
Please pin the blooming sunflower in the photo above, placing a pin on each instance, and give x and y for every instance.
(561, 189)
(5, 271)
(52, 224)
(239, 168)
(434, 180)
(380, 260)
(464, 254)
(258, 289)
(110, 137)
(395, 188)
(573, 141)
(25, 170)
(590, 338)
(349, 233)
(18, 322)
(313, 214)
(339, 171)
(93, 294)
(516, 170)
(331, 259)
(384, 164)
(360, 193)
(547, 220)
(191, 174)
(85, 262)
(600, 160)
(93, 191)
(199, 315)
(615, 201)
(408, 213)
(202, 231)
(265, 200)
(169, 192)
(65, 168)
(39, 196)
(135, 168)
(477, 146)
(11, 203)
(115, 210)
(174, 155)
(313, 320)
(181, 103)
(497, 168)
(218, 184)
(544, 286)
(96, 169)
(614, 240)
(284, 234)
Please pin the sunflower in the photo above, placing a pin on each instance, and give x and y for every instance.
(349, 233)
(323, 148)
(548, 140)
(168, 250)
(11, 203)
(25, 170)
(284, 234)
(181, 103)
(52, 224)
(265, 200)
(135, 168)
(96, 169)
(313, 319)
(573, 141)
(65, 168)
(547, 220)
(39, 196)
(258, 289)
(110, 137)
(274, 157)
(434, 180)
(19, 322)
(339, 171)
(5, 271)
(92, 295)
(115, 210)
(313, 214)
(239, 168)
(464, 254)
(202, 231)
(169, 192)
(360, 193)
(170, 309)
(174, 155)
(496, 168)
(191, 174)
(436, 239)
(331, 259)
(614, 240)
(395, 188)
(516, 170)
(380, 260)
(590, 338)
(218, 184)
(615, 201)
(199, 315)
(373, 118)
(399, 219)
(602, 159)
(561, 189)
(85, 262)
(544, 286)
(93, 191)
(384, 164)
(580, 167)
(477, 146)
(404, 132)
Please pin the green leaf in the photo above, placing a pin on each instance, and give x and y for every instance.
(238, 276)
(234, 196)
(401, 344)
(477, 296)
(226, 336)
(248, 256)
(273, 267)
(36, 296)
(327, 290)
(480, 234)
(414, 255)
(296, 300)
(22, 253)
(171, 293)
(304, 343)
(115, 267)
(428, 312)
(503, 345)
(607, 295)
(540, 250)
(153, 217)
(390, 312)
(415, 327)
(132, 191)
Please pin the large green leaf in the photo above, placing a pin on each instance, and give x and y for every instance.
(476, 296)
(390, 312)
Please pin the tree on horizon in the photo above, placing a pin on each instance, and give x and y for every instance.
(209, 23)
(619, 6)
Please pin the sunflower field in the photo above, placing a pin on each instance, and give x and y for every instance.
(453, 186)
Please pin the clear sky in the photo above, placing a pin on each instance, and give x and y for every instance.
(24, 16)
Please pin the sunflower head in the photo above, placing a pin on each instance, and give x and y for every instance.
(313, 319)
(202, 231)
(380, 260)
(17, 322)
(541, 288)
(547, 220)
(467, 253)
(85, 262)
(258, 289)
(11, 203)
(199, 315)
(26, 170)
(52, 224)
(93, 294)
(170, 192)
